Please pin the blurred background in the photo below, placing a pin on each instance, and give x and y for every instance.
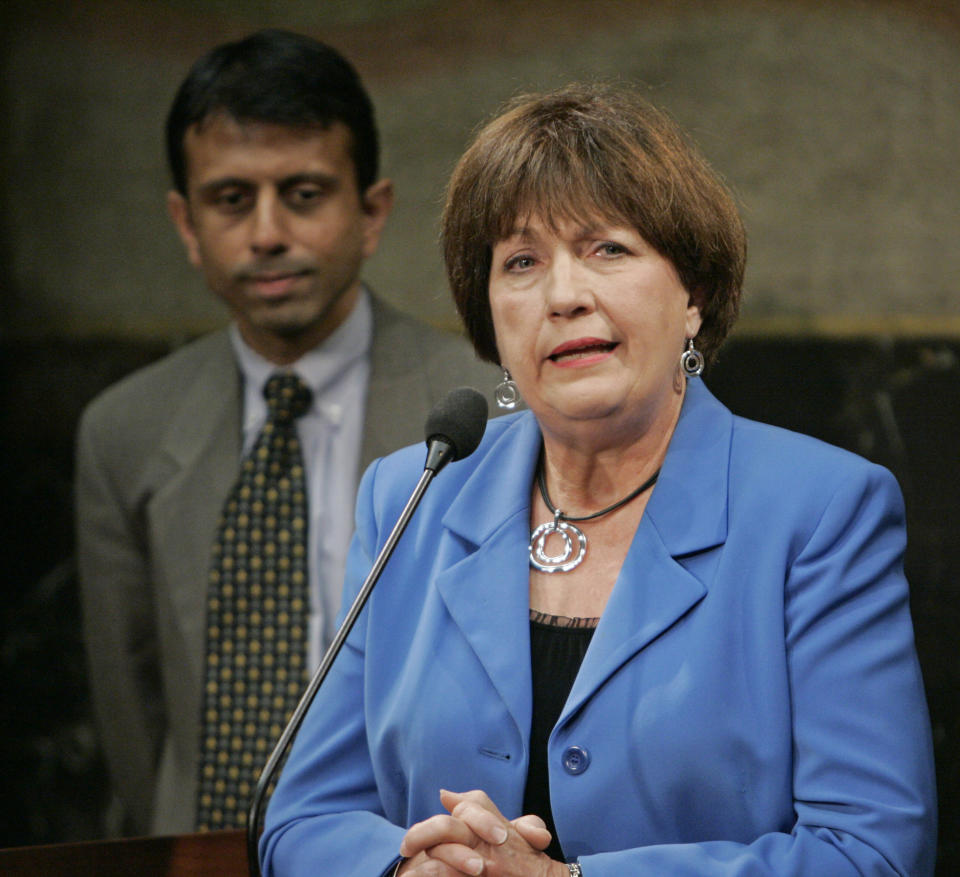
(836, 124)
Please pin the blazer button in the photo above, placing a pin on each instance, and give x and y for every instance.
(576, 759)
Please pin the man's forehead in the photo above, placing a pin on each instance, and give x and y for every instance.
(221, 144)
(224, 119)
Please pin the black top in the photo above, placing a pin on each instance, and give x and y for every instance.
(557, 647)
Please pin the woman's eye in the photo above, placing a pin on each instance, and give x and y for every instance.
(609, 248)
(519, 263)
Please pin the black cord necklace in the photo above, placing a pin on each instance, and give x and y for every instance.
(563, 525)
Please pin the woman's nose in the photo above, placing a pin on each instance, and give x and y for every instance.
(569, 289)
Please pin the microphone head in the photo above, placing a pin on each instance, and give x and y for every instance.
(458, 419)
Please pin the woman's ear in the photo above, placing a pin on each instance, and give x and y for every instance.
(695, 305)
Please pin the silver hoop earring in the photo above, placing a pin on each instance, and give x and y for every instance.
(506, 392)
(691, 360)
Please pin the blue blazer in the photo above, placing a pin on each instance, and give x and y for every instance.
(750, 703)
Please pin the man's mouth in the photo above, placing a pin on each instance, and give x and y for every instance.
(275, 283)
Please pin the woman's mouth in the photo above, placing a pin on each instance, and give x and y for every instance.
(582, 350)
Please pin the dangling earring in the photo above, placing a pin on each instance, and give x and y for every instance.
(691, 360)
(506, 392)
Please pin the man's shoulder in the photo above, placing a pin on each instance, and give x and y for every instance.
(400, 341)
(390, 322)
(156, 387)
(508, 440)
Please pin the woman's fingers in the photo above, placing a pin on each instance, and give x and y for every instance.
(441, 829)
(533, 830)
(479, 813)
(465, 860)
(423, 865)
(482, 815)
(477, 796)
(475, 835)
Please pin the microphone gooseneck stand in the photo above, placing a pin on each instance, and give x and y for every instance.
(454, 430)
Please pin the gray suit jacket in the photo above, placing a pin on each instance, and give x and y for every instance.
(156, 455)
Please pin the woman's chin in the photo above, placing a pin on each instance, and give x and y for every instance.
(606, 415)
(577, 411)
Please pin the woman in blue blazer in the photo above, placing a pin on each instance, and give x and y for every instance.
(632, 633)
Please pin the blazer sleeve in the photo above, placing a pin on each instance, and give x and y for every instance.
(118, 617)
(325, 815)
(863, 787)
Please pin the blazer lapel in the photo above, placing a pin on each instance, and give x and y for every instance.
(686, 514)
(487, 591)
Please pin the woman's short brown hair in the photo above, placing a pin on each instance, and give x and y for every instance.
(584, 153)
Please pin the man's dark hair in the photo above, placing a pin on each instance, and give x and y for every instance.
(281, 78)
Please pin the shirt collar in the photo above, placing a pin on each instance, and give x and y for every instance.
(319, 368)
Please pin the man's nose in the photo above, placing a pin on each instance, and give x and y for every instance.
(269, 231)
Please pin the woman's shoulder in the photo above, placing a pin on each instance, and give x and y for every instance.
(778, 447)
(760, 454)
(803, 470)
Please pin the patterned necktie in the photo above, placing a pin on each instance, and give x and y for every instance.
(257, 601)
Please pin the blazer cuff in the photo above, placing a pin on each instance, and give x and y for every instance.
(393, 867)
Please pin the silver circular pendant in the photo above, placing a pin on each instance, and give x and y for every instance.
(574, 547)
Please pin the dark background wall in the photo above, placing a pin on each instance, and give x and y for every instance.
(836, 124)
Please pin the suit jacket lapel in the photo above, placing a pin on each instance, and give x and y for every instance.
(202, 447)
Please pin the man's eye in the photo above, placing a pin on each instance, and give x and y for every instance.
(232, 199)
(305, 195)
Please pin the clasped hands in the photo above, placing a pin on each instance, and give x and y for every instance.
(475, 838)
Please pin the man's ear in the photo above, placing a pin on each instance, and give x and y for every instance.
(179, 209)
(377, 202)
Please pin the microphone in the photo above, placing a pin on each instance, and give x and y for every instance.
(455, 427)
(453, 431)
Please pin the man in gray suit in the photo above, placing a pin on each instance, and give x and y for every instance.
(273, 151)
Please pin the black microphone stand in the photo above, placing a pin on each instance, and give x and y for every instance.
(439, 454)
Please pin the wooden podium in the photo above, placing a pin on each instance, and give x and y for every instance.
(212, 854)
